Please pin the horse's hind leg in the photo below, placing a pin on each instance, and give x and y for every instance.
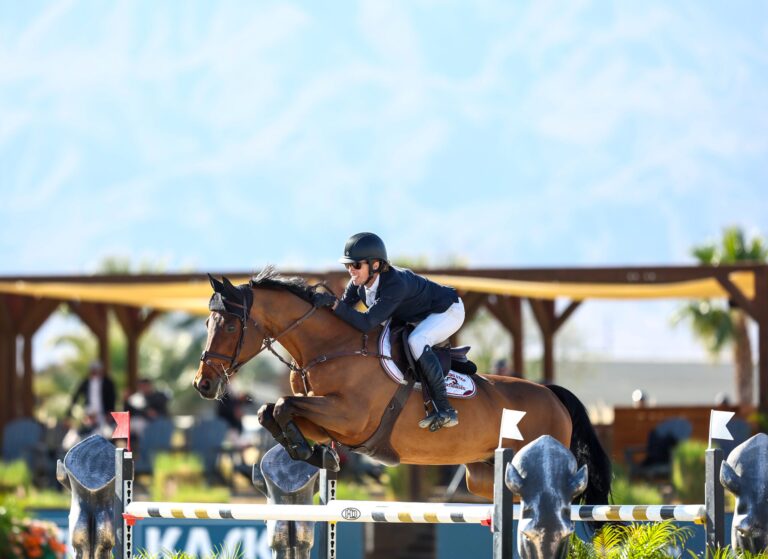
(479, 479)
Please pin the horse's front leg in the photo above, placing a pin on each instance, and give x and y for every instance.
(266, 416)
(290, 438)
(320, 414)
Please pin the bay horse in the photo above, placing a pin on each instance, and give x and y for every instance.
(341, 392)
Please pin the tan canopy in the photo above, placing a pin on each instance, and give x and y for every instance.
(192, 296)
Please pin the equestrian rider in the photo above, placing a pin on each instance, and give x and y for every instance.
(391, 292)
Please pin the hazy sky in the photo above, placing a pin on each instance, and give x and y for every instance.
(229, 135)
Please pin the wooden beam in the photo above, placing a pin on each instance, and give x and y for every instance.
(6, 380)
(544, 313)
(94, 316)
(472, 304)
(761, 317)
(27, 380)
(507, 310)
(8, 356)
(133, 325)
(747, 305)
(565, 315)
(37, 312)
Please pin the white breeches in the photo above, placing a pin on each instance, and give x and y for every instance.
(436, 328)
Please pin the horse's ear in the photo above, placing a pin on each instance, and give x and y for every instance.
(216, 284)
(230, 289)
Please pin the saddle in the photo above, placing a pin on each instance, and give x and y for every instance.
(451, 358)
(378, 446)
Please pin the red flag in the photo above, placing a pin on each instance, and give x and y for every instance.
(123, 427)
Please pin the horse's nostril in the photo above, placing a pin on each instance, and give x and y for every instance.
(204, 385)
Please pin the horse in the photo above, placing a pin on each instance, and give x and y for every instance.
(341, 393)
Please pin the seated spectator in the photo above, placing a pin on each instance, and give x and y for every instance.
(146, 404)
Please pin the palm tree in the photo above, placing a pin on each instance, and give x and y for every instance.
(722, 325)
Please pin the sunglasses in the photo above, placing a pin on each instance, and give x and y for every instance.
(355, 265)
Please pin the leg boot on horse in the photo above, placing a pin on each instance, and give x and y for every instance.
(443, 414)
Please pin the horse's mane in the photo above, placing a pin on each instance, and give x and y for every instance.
(269, 278)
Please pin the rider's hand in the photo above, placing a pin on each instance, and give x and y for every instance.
(323, 299)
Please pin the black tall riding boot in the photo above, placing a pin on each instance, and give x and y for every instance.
(443, 414)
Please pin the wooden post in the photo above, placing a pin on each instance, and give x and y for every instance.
(508, 311)
(10, 311)
(94, 316)
(544, 312)
(36, 313)
(134, 325)
(549, 323)
(761, 317)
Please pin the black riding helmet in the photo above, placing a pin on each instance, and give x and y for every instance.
(364, 247)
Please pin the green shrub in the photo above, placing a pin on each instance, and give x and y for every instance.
(178, 477)
(14, 476)
(624, 492)
(399, 480)
(198, 494)
(631, 541)
(46, 499)
(688, 471)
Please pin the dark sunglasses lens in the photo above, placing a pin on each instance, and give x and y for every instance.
(355, 265)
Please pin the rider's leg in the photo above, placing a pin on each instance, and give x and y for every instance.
(430, 331)
(443, 414)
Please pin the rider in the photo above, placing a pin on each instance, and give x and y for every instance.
(388, 291)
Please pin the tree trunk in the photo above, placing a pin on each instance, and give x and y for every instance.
(742, 357)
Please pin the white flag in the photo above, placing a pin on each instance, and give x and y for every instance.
(718, 421)
(509, 421)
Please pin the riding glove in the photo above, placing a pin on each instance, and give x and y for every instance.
(323, 299)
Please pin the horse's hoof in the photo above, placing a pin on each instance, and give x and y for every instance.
(301, 452)
(298, 448)
(325, 457)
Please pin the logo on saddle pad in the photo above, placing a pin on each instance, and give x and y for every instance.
(456, 384)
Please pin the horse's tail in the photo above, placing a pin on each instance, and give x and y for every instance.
(587, 449)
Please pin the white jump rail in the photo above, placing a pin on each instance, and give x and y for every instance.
(401, 512)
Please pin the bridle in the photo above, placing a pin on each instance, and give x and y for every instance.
(268, 342)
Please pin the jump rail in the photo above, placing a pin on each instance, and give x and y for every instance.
(402, 512)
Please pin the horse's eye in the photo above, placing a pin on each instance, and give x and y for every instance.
(231, 328)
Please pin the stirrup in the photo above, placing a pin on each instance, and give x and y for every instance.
(439, 419)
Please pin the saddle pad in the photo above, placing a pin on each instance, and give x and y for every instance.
(456, 384)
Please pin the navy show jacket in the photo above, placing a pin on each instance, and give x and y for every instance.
(401, 295)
